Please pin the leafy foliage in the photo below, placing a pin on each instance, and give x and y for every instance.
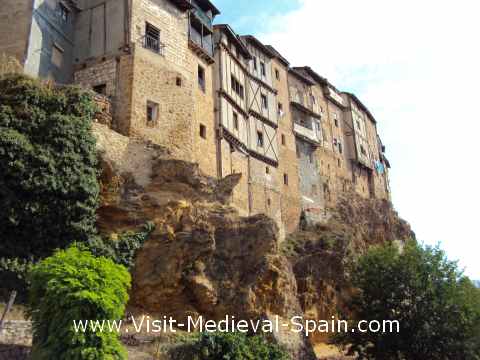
(48, 176)
(13, 276)
(438, 309)
(220, 346)
(123, 249)
(74, 285)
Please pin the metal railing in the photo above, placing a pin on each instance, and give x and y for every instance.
(154, 44)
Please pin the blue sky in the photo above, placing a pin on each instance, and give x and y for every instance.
(415, 64)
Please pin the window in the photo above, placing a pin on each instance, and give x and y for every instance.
(362, 150)
(201, 78)
(314, 101)
(280, 109)
(311, 158)
(57, 56)
(340, 147)
(152, 113)
(203, 131)
(237, 87)
(285, 179)
(267, 170)
(264, 101)
(336, 122)
(260, 139)
(179, 81)
(235, 120)
(339, 163)
(100, 89)
(255, 63)
(284, 140)
(152, 38)
(63, 12)
(277, 74)
(263, 69)
(269, 202)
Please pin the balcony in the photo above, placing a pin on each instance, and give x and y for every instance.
(306, 133)
(154, 44)
(202, 16)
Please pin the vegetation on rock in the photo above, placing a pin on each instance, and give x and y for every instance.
(437, 307)
(48, 167)
(74, 285)
(121, 248)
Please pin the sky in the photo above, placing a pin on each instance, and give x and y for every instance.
(415, 64)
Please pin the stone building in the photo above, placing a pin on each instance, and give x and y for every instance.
(247, 122)
(288, 167)
(40, 34)
(306, 116)
(368, 163)
(224, 101)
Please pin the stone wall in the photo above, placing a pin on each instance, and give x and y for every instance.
(16, 333)
(288, 165)
(15, 20)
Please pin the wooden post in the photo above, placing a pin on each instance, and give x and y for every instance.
(13, 295)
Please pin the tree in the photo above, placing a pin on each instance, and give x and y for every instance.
(73, 285)
(437, 307)
(48, 167)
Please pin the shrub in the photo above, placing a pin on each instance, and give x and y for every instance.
(74, 285)
(438, 309)
(123, 249)
(48, 175)
(220, 346)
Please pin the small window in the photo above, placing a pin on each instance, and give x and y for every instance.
(255, 63)
(260, 141)
(179, 81)
(152, 38)
(311, 158)
(203, 131)
(285, 179)
(340, 147)
(269, 202)
(277, 74)
(267, 170)
(264, 101)
(152, 113)
(57, 56)
(63, 12)
(280, 109)
(339, 163)
(235, 121)
(284, 140)
(201, 78)
(100, 89)
(263, 69)
(237, 87)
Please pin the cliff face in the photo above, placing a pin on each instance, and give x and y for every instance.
(203, 259)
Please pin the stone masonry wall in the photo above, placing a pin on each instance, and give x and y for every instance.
(15, 20)
(16, 333)
(288, 165)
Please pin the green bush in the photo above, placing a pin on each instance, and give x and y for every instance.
(74, 285)
(122, 250)
(48, 167)
(221, 346)
(438, 309)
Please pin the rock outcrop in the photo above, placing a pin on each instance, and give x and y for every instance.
(203, 259)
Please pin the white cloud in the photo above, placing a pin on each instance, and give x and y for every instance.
(416, 65)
